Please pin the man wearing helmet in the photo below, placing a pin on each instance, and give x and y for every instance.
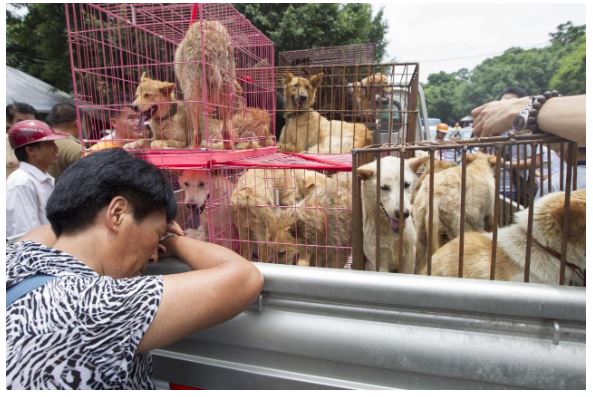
(29, 186)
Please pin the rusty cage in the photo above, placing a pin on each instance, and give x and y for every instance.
(524, 167)
(179, 75)
(352, 106)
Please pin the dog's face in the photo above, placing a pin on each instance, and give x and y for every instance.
(196, 187)
(391, 180)
(299, 92)
(154, 97)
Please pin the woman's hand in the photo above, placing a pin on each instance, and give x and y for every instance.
(167, 243)
(496, 117)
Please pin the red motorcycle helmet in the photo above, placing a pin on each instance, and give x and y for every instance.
(31, 131)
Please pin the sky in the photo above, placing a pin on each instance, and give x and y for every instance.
(446, 36)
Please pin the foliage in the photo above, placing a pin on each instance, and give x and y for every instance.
(38, 44)
(297, 26)
(559, 65)
(569, 79)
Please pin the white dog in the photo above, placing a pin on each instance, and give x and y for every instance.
(388, 224)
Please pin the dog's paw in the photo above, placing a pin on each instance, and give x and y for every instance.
(159, 144)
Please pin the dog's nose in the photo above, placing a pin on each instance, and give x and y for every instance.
(406, 214)
(193, 206)
(302, 98)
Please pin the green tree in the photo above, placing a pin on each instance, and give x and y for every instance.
(559, 65)
(570, 77)
(38, 43)
(300, 26)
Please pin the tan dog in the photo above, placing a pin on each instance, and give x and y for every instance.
(308, 131)
(262, 208)
(479, 203)
(219, 75)
(421, 166)
(199, 187)
(324, 220)
(548, 218)
(365, 91)
(251, 126)
(388, 225)
(168, 122)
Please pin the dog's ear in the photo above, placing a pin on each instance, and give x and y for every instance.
(316, 79)
(577, 214)
(470, 157)
(366, 171)
(288, 77)
(167, 88)
(492, 161)
(144, 77)
(417, 162)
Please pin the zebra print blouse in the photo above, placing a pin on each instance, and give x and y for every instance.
(79, 331)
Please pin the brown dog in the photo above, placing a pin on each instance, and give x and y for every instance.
(548, 226)
(479, 203)
(211, 41)
(364, 92)
(168, 122)
(308, 131)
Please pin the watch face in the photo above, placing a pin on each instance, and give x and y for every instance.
(520, 122)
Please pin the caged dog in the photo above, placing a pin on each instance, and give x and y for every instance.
(198, 188)
(306, 130)
(168, 122)
(548, 226)
(262, 209)
(365, 91)
(479, 203)
(324, 220)
(388, 225)
(219, 75)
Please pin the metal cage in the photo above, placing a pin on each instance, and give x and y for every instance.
(524, 168)
(207, 76)
(376, 103)
(336, 55)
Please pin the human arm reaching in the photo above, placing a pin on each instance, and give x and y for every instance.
(561, 116)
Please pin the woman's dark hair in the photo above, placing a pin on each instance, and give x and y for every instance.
(519, 92)
(61, 113)
(18, 107)
(91, 183)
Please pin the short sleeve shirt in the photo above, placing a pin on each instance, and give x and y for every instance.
(80, 330)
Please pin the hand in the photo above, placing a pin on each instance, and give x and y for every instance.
(167, 243)
(496, 117)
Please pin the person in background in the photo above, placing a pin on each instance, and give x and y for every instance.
(28, 188)
(62, 118)
(126, 127)
(15, 112)
(93, 322)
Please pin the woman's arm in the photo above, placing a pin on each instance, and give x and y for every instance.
(220, 286)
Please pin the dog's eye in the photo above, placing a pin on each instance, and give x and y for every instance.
(186, 184)
(201, 184)
(385, 188)
(406, 185)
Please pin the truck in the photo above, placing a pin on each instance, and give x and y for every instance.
(321, 328)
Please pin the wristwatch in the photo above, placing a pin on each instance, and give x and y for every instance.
(521, 120)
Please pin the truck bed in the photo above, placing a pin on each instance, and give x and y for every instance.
(315, 328)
